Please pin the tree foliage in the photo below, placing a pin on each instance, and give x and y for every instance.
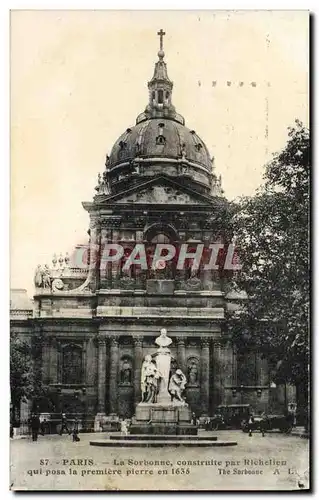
(272, 231)
(25, 377)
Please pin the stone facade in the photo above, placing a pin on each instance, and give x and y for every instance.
(96, 322)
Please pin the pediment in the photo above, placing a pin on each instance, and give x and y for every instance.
(161, 191)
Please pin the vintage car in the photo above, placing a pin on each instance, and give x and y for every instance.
(229, 416)
(283, 423)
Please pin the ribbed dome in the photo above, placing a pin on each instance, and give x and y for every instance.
(160, 138)
(158, 143)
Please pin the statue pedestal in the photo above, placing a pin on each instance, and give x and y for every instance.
(168, 419)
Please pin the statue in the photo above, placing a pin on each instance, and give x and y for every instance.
(193, 373)
(126, 372)
(163, 341)
(42, 277)
(38, 276)
(46, 277)
(177, 385)
(150, 378)
(163, 363)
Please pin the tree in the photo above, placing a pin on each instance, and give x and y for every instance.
(272, 231)
(25, 377)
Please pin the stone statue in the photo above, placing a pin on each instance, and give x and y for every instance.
(38, 276)
(150, 379)
(46, 277)
(163, 363)
(126, 372)
(177, 385)
(193, 373)
(163, 341)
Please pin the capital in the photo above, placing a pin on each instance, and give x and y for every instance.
(138, 341)
(205, 342)
(114, 341)
(180, 341)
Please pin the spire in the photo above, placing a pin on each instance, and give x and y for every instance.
(160, 91)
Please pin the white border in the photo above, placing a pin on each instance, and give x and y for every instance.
(5, 6)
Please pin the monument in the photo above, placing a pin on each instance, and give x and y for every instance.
(163, 409)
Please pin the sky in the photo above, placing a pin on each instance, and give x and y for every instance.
(79, 80)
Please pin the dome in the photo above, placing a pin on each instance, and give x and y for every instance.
(159, 143)
(160, 138)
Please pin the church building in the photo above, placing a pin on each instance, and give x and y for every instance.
(95, 319)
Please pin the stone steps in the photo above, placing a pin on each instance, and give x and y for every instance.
(150, 437)
(159, 443)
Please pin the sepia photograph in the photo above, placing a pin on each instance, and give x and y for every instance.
(160, 250)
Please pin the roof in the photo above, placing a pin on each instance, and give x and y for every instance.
(19, 300)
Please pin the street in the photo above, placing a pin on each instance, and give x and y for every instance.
(274, 462)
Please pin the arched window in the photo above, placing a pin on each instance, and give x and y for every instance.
(72, 364)
(160, 96)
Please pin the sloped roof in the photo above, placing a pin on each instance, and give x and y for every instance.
(19, 299)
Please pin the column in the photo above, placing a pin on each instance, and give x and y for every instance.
(138, 360)
(95, 237)
(54, 361)
(205, 375)
(217, 361)
(46, 361)
(181, 354)
(114, 363)
(101, 375)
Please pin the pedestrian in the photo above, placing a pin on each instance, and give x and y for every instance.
(64, 424)
(75, 432)
(194, 419)
(250, 425)
(263, 424)
(35, 426)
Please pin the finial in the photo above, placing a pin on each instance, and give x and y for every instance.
(161, 52)
(67, 259)
(54, 260)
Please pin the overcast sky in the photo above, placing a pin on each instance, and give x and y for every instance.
(79, 79)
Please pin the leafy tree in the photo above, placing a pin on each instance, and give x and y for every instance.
(25, 378)
(272, 231)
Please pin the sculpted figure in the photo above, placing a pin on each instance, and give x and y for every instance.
(163, 341)
(150, 378)
(38, 276)
(46, 277)
(126, 372)
(193, 373)
(177, 385)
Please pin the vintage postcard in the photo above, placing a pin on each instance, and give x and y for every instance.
(159, 312)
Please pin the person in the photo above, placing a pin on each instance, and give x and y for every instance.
(75, 432)
(35, 425)
(263, 424)
(194, 419)
(250, 424)
(43, 425)
(64, 424)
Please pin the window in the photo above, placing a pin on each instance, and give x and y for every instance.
(246, 368)
(160, 96)
(72, 364)
(160, 140)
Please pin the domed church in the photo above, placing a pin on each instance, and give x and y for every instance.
(94, 318)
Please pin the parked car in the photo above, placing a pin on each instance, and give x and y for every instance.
(282, 422)
(229, 416)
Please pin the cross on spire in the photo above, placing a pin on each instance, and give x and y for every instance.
(161, 33)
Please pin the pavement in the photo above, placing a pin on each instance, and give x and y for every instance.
(273, 462)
